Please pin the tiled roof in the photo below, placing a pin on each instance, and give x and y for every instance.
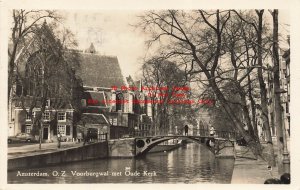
(89, 118)
(100, 71)
(94, 98)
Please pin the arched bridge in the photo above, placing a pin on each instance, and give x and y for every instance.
(221, 147)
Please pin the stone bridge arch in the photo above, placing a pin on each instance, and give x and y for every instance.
(145, 144)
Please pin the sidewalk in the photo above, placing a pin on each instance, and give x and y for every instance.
(247, 170)
(33, 149)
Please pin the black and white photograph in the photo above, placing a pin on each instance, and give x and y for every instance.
(151, 96)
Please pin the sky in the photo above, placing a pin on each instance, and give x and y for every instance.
(112, 34)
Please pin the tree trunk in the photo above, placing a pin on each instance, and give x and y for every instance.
(263, 91)
(239, 125)
(247, 115)
(11, 68)
(40, 134)
(253, 109)
(276, 80)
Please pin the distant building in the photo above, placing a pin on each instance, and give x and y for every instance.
(107, 92)
(285, 75)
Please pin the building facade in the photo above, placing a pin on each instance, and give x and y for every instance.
(108, 92)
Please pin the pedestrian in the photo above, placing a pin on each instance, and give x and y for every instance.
(212, 131)
(186, 130)
(85, 138)
(58, 139)
(285, 178)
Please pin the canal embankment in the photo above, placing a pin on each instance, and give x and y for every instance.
(191, 164)
(250, 170)
(30, 156)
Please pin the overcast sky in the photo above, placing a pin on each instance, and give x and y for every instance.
(112, 34)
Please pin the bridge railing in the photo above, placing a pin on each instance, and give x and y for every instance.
(225, 134)
(141, 133)
(197, 132)
(218, 133)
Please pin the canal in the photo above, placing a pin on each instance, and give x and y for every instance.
(192, 163)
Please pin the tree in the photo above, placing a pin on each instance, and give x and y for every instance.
(277, 101)
(198, 38)
(49, 74)
(167, 80)
(258, 26)
(24, 24)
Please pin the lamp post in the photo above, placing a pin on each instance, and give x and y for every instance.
(286, 159)
(285, 154)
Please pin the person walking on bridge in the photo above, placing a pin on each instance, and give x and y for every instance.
(186, 130)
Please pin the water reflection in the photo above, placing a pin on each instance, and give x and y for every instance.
(189, 164)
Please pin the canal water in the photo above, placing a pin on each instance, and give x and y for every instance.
(192, 163)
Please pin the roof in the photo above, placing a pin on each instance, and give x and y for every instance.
(100, 71)
(94, 98)
(93, 118)
(56, 103)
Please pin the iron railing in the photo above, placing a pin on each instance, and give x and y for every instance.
(195, 132)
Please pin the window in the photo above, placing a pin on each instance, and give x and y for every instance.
(28, 117)
(28, 129)
(46, 116)
(61, 116)
(47, 103)
(149, 109)
(119, 102)
(61, 129)
(115, 121)
(130, 103)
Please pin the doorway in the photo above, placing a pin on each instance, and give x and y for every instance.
(45, 133)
